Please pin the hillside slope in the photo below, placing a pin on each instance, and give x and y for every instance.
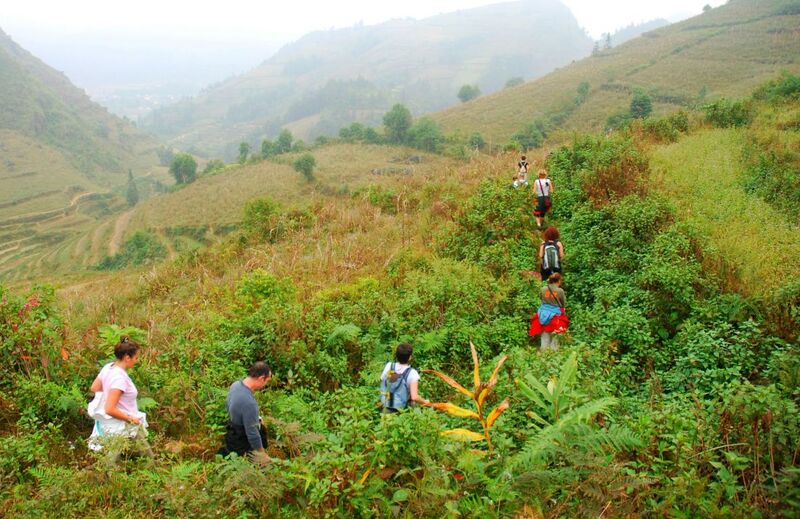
(328, 79)
(726, 51)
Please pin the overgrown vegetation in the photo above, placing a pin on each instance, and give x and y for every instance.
(672, 395)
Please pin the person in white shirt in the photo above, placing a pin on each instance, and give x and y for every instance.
(543, 188)
(400, 382)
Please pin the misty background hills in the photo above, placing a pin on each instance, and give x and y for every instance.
(328, 79)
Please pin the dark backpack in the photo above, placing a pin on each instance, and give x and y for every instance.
(550, 260)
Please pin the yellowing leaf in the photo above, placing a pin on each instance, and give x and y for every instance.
(463, 435)
(449, 381)
(483, 396)
(496, 412)
(365, 476)
(477, 372)
(455, 410)
(493, 378)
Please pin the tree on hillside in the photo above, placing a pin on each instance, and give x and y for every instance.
(583, 91)
(183, 168)
(476, 141)
(132, 193)
(426, 135)
(468, 92)
(641, 105)
(706, 8)
(212, 166)
(244, 151)
(268, 148)
(397, 121)
(305, 164)
(284, 142)
(514, 81)
(607, 44)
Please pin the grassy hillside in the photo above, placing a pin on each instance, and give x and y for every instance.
(726, 51)
(326, 80)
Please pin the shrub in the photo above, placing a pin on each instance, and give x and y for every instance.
(426, 135)
(142, 248)
(305, 164)
(725, 113)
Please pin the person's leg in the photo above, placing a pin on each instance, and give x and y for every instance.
(545, 341)
(554, 342)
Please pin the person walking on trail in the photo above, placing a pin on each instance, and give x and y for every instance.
(521, 178)
(245, 433)
(400, 382)
(544, 190)
(118, 423)
(551, 253)
(550, 319)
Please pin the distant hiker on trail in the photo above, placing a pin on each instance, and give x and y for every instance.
(521, 178)
(551, 253)
(399, 382)
(551, 317)
(114, 409)
(245, 433)
(544, 189)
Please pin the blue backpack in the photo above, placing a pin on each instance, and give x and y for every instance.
(395, 393)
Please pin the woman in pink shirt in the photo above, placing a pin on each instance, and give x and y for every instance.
(121, 415)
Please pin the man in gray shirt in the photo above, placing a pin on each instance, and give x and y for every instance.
(244, 432)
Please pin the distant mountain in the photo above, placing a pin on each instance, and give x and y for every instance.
(726, 51)
(39, 103)
(328, 79)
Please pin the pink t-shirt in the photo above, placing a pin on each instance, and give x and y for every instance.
(114, 377)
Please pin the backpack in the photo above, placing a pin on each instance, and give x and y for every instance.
(395, 393)
(550, 259)
(523, 167)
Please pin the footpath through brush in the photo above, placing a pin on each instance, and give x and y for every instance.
(703, 174)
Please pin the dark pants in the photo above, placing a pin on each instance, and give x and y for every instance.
(236, 440)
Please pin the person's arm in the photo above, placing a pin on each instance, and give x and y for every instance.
(111, 408)
(415, 396)
(97, 385)
(560, 250)
(541, 251)
(252, 423)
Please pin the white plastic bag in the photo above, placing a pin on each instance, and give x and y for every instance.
(106, 425)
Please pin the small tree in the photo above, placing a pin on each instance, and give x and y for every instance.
(132, 193)
(706, 8)
(426, 135)
(607, 44)
(212, 166)
(183, 168)
(641, 105)
(476, 141)
(468, 93)
(397, 121)
(514, 81)
(305, 164)
(268, 148)
(244, 151)
(284, 142)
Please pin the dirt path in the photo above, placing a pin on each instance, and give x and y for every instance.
(120, 226)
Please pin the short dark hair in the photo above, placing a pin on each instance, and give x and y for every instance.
(259, 369)
(403, 352)
(555, 277)
(125, 348)
(523, 157)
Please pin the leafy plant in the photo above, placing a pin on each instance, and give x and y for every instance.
(111, 334)
(478, 396)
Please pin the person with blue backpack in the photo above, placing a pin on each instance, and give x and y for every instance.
(400, 381)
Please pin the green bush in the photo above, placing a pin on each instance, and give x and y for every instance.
(725, 113)
(142, 248)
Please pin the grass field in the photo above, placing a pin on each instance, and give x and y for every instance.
(725, 52)
(702, 173)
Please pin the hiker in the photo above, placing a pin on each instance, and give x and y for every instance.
(551, 317)
(551, 253)
(399, 382)
(521, 178)
(114, 408)
(544, 190)
(245, 433)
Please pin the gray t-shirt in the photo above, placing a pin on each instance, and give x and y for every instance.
(243, 411)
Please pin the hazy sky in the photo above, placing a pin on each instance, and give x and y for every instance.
(247, 19)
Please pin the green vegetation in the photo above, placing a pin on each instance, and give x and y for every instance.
(183, 168)
(468, 93)
(305, 164)
(141, 248)
(396, 123)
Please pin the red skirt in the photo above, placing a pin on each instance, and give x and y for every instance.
(557, 324)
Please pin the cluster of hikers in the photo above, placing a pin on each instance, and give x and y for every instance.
(117, 416)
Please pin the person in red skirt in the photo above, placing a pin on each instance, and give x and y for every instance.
(550, 319)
